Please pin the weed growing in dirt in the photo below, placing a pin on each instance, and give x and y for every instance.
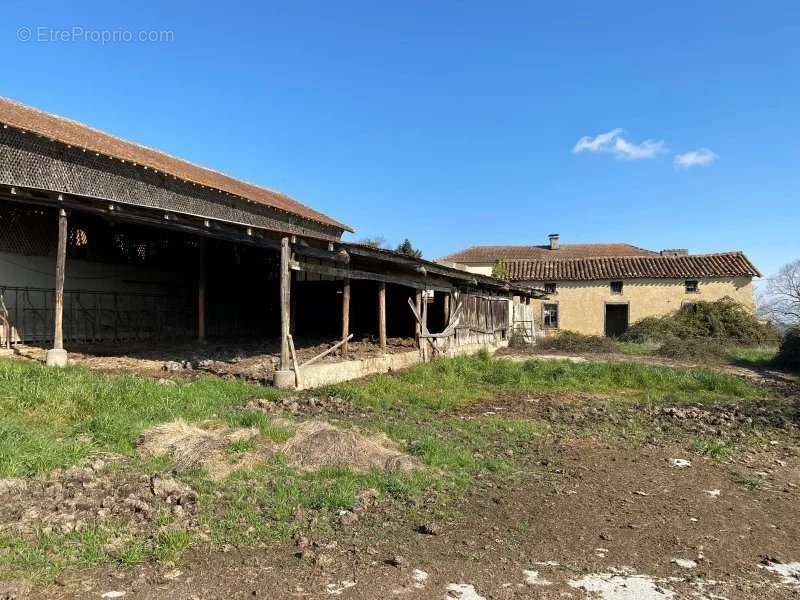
(751, 482)
(712, 448)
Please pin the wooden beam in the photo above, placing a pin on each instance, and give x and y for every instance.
(343, 273)
(446, 307)
(285, 298)
(345, 314)
(61, 263)
(201, 291)
(382, 314)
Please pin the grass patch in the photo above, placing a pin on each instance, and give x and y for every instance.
(445, 383)
(712, 448)
(56, 417)
(49, 553)
(757, 356)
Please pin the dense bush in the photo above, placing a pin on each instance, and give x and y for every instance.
(724, 320)
(789, 353)
(569, 341)
(693, 349)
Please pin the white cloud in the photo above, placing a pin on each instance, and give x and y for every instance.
(695, 158)
(612, 142)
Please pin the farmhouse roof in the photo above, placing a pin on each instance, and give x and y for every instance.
(724, 264)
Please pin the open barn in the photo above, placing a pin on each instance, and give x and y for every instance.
(114, 250)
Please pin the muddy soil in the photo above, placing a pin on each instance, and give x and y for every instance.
(587, 515)
(254, 361)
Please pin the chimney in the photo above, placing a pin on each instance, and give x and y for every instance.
(553, 241)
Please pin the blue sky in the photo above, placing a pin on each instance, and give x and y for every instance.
(456, 123)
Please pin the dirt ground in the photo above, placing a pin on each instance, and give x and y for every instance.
(254, 361)
(584, 517)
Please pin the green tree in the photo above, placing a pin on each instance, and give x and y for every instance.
(409, 250)
(499, 269)
(376, 241)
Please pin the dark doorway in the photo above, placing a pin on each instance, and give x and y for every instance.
(616, 319)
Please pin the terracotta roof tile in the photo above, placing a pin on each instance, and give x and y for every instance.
(484, 254)
(725, 264)
(70, 132)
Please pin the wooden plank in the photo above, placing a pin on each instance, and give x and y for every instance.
(297, 379)
(328, 351)
(61, 263)
(345, 314)
(382, 314)
(285, 300)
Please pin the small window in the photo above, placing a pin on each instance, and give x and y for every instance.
(616, 288)
(550, 288)
(550, 316)
(692, 286)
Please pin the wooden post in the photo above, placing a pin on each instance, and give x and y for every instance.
(201, 292)
(446, 308)
(57, 357)
(286, 283)
(345, 314)
(61, 263)
(382, 314)
(418, 302)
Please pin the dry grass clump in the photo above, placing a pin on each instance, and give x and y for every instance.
(315, 444)
(318, 444)
(191, 446)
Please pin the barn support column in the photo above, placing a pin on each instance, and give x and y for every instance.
(382, 315)
(201, 291)
(418, 302)
(284, 377)
(345, 314)
(57, 356)
(446, 308)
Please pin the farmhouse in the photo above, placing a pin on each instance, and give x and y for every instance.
(107, 241)
(599, 289)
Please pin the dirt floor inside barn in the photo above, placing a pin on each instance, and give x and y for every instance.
(543, 479)
(254, 361)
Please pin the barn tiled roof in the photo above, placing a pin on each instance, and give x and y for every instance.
(77, 134)
(490, 254)
(725, 264)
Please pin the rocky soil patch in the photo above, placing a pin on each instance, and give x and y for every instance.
(92, 494)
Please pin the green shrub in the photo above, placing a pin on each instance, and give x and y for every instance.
(518, 339)
(725, 320)
(569, 341)
(694, 349)
(789, 353)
